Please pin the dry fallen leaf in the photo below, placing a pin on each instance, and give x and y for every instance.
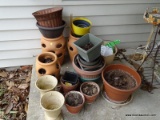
(9, 107)
(11, 75)
(9, 84)
(26, 107)
(23, 86)
(3, 74)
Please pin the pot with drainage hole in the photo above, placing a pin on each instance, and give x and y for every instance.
(47, 64)
(54, 45)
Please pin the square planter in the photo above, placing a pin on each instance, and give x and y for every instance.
(92, 53)
(70, 77)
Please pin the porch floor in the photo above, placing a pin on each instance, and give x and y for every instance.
(144, 105)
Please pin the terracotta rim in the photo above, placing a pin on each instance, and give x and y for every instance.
(76, 93)
(132, 89)
(48, 54)
(92, 83)
(52, 39)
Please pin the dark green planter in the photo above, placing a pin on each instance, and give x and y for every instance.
(92, 53)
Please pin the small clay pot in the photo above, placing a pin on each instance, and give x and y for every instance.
(115, 94)
(52, 32)
(55, 45)
(74, 109)
(51, 68)
(71, 47)
(92, 98)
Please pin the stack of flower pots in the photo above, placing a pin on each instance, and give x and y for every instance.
(79, 27)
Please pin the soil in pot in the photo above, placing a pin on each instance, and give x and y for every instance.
(87, 46)
(120, 79)
(47, 60)
(89, 89)
(74, 99)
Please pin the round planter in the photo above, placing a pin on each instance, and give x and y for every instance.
(81, 26)
(74, 109)
(55, 45)
(51, 17)
(52, 32)
(120, 95)
(87, 74)
(71, 47)
(90, 98)
(51, 68)
(46, 83)
(52, 103)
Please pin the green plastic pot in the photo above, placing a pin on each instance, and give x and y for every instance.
(92, 53)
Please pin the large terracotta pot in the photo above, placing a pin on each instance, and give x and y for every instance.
(90, 98)
(51, 68)
(74, 109)
(71, 47)
(115, 94)
(55, 45)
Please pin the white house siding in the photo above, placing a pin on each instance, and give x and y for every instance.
(112, 19)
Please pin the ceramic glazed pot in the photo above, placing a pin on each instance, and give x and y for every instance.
(71, 47)
(88, 75)
(51, 68)
(90, 98)
(51, 17)
(55, 45)
(46, 83)
(81, 26)
(92, 53)
(74, 109)
(115, 94)
(52, 32)
(52, 103)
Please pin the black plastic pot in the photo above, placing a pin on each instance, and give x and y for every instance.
(53, 32)
(70, 77)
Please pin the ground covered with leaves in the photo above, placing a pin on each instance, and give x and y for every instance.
(14, 93)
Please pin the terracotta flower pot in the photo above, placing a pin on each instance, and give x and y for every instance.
(55, 45)
(90, 75)
(120, 95)
(71, 47)
(51, 17)
(90, 98)
(46, 83)
(52, 32)
(50, 68)
(74, 109)
(52, 103)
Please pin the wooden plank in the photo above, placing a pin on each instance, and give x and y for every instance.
(97, 30)
(18, 24)
(131, 45)
(85, 10)
(17, 62)
(14, 54)
(70, 2)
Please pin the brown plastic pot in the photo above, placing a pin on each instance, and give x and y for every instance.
(51, 17)
(55, 45)
(87, 74)
(71, 47)
(74, 109)
(52, 68)
(114, 93)
(90, 99)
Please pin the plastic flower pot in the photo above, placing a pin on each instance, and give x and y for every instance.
(52, 32)
(120, 95)
(92, 53)
(74, 109)
(46, 83)
(52, 103)
(51, 17)
(81, 26)
(95, 91)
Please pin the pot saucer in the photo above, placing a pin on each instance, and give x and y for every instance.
(60, 117)
(115, 104)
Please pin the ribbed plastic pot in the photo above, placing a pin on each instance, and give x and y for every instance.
(92, 53)
(52, 32)
(115, 94)
(51, 17)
